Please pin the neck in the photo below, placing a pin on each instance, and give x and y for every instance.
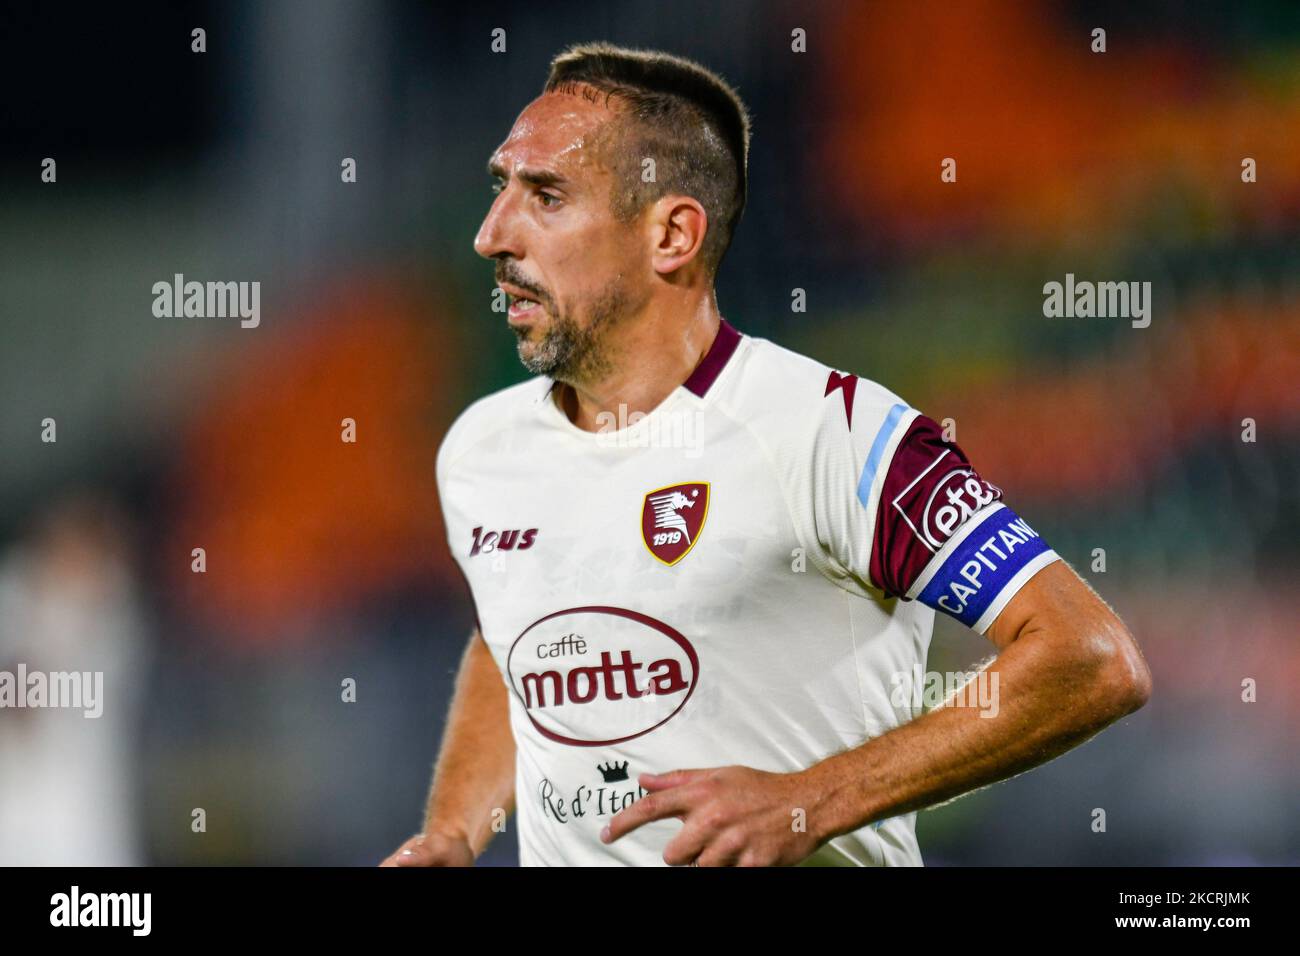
(649, 356)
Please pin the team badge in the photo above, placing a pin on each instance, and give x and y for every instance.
(672, 519)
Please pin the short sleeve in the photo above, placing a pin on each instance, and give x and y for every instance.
(444, 480)
(943, 534)
(901, 510)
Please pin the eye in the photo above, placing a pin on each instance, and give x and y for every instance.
(547, 200)
(498, 186)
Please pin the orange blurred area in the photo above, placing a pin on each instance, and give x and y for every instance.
(1048, 137)
(293, 519)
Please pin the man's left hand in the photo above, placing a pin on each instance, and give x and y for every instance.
(732, 816)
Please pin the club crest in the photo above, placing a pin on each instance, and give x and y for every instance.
(672, 519)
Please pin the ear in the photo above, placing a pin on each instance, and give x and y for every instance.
(678, 227)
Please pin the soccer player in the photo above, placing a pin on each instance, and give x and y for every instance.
(705, 568)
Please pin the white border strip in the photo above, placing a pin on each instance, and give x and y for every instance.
(1009, 591)
(940, 556)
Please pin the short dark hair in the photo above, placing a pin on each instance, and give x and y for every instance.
(684, 116)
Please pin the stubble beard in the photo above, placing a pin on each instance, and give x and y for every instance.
(572, 353)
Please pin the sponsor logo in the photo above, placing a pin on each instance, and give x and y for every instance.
(596, 676)
(584, 801)
(512, 539)
(613, 772)
(941, 500)
(672, 519)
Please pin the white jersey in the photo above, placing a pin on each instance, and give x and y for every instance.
(746, 575)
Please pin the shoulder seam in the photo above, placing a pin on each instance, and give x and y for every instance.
(813, 552)
(496, 427)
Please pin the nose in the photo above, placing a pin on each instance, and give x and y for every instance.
(495, 236)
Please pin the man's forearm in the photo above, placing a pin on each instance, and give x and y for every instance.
(1056, 692)
(473, 782)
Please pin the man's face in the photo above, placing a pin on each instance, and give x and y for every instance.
(572, 270)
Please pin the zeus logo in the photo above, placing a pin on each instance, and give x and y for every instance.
(509, 540)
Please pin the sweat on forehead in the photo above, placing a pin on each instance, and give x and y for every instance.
(558, 129)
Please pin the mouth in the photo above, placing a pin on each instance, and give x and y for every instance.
(522, 308)
(522, 303)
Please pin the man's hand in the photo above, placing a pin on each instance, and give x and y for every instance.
(732, 816)
(474, 779)
(433, 849)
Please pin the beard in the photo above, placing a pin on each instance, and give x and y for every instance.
(569, 351)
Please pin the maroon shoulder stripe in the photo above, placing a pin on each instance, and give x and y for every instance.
(715, 360)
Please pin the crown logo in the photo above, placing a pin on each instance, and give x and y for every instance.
(613, 772)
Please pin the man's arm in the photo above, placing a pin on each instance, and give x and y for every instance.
(1067, 668)
(474, 779)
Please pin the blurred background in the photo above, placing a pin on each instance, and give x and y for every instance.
(326, 560)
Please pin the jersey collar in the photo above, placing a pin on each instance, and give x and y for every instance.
(714, 361)
(710, 367)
